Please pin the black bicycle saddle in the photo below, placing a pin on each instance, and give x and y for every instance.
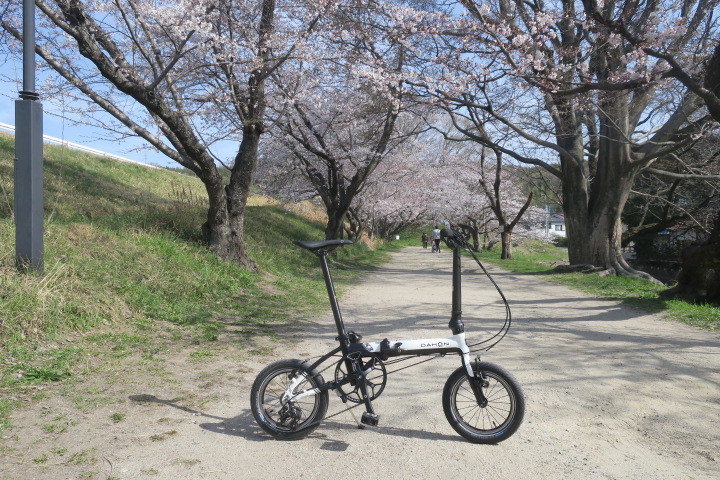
(318, 245)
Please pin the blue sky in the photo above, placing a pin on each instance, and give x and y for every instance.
(55, 126)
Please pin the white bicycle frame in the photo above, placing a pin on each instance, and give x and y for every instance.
(425, 346)
(428, 346)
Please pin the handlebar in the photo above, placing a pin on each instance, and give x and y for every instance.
(453, 238)
(449, 233)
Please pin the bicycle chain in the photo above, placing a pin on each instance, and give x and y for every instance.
(360, 404)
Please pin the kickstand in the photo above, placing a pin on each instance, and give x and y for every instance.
(359, 425)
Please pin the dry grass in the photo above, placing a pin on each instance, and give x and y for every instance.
(306, 209)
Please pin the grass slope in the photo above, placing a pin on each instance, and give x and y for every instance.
(123, 251)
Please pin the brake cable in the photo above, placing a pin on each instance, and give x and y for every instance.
(500, 334)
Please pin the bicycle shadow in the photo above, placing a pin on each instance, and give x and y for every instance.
(244, 425)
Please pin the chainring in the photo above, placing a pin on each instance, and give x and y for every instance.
(375, 378)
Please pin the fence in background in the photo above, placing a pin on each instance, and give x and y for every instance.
(79, 147)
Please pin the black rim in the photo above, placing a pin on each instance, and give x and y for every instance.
(491, 419)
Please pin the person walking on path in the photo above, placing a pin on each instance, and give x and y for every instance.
(436, 239)
(424, 240)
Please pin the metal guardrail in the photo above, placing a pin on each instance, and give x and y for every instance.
(79, 147)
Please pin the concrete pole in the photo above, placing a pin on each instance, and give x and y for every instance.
(29, 250)
(547, 221)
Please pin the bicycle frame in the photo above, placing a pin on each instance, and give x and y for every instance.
(426, 346)
(416, 347)
(351, 343)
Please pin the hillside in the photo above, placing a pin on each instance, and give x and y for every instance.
(123, 252)
(122, 241)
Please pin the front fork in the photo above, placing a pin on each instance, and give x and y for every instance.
(476, 379)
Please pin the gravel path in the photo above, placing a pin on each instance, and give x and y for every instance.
(611, 394)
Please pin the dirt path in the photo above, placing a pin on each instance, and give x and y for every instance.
(611, 394)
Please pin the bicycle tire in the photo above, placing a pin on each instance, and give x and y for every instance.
(489, 424)
(293, 420)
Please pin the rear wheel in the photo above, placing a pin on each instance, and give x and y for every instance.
(288, 419)
(492, 420)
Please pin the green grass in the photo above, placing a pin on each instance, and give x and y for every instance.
(121, 243)
(123, 254)
(539, 258)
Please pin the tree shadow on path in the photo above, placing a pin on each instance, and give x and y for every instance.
(244, 425)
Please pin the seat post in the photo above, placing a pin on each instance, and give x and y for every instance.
(333, 299)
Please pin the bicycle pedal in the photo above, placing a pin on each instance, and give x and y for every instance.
(371, 419)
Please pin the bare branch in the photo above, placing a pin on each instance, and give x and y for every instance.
(680, 176)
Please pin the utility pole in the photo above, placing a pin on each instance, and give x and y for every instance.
(29, 157)
(547, 221)
(547, 216)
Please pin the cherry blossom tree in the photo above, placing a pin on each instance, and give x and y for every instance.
(496, 192)
(558, 84)
(346, 116)
(501, 204)
(339, 145)
(461, 201)
(388, 202)
(698, 279)
(699, 72)
(497, 184)
(395, 196)
(183, 75)
(685, 198)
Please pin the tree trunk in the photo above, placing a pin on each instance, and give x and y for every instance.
(356, 228)
(595, 193)
(699, 279)
(577, 217)
(224, 230)
(224, 234)
(334, 226)
(594, 228)
(476, 240)
(337, 205)
(506, 238)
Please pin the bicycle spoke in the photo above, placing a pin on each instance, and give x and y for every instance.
(490, 417)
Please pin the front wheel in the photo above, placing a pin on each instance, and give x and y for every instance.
(283, 416)
(489, 421)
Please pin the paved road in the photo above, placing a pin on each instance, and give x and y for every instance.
(611, 394)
